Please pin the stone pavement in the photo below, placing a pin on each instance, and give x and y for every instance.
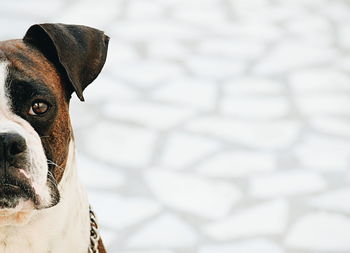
(217, 126)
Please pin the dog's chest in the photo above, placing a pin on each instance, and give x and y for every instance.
(52, 234)
(64, 228)
(30, 241)
(24, 241)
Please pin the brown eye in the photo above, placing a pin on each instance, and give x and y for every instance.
(38, 108)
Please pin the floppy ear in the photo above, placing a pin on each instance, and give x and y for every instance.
(79, 51)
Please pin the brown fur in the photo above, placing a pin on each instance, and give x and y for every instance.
(32, 63)
(54, 55)
(101, 247)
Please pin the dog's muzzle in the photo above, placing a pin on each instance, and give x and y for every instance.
(14, 182)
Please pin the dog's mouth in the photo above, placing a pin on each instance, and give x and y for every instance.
(16, 186)
(13, 190)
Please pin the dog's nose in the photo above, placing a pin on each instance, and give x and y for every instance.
(11, 144)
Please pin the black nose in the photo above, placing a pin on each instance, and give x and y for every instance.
(11, 144)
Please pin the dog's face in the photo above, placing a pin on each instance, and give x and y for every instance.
(37, 77)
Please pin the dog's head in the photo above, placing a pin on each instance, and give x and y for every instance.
(38, 75)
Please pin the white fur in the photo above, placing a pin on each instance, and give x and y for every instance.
(62, 228)
(11, 123)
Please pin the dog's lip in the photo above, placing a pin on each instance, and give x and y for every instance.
(15, 186)
(10, 186)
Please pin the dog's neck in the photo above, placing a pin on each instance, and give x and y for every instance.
(62, 228)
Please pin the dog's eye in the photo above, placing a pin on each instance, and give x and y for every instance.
(38, 108)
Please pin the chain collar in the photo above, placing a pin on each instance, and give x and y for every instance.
(94, 233)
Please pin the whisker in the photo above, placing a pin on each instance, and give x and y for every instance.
(51, 177)
(53, 163)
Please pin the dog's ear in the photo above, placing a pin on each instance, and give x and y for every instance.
(79, 51)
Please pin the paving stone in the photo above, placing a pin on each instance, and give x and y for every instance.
(344, 38)
(250, 30)
(146, 251)
(153, 115)
(311, 29)
(339, 11)
(237, 49)
(120, 212)
(328, 162)
(248, 246)
(147, 31)
(275, 134)
(80, 12)
(195, 93)
(40, 9)
(252, 5)
(274, 13)
(120, 144)
(299, 55)
(82, 116)
(286, 183)
(316, 80)
(182, 150)
(141, 10)
(200, 15)
(320, 232)
(119, 53)
(331, 125)
(89, 168)
(327, 104)
(269, 218)
(343, 63)
(17, 26)
(323, 153)
(311, 3)
(108, 236)
(251, 103)
(146, 74)
(185, 192)
(106, 89)
(190, 4)
(214, 68)
(336, 200)
(167, 230)
(253, 86)
(314, 24)
(170, 50)
(257, 107)
(238, 164)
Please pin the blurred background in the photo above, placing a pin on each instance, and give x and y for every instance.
(216, 126)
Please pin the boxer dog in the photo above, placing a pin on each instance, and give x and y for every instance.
(43, 207)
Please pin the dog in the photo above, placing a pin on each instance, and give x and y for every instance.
(43, 207)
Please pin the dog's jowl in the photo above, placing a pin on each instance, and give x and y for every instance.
(43, 208)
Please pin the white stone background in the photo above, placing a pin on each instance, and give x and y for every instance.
(216, 126)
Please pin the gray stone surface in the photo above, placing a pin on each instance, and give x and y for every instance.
(217, 126)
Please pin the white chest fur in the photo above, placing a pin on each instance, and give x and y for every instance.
(62, 228)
